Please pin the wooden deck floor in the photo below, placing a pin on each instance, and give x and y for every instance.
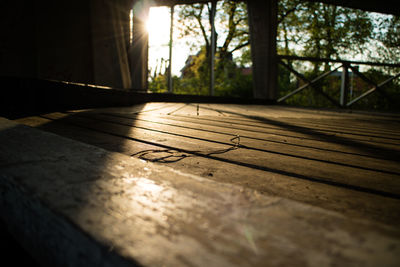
(338, 161)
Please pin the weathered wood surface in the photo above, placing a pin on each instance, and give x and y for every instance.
(338, 161)
(80, 205)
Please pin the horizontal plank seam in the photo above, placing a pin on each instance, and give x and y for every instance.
(288, 174)
(249, 148)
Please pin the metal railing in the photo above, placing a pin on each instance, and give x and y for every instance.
(346, 65)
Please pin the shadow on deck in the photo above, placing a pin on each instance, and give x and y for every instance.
(221, 173)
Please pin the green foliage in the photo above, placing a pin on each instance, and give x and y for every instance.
(158, 84)
(233, 35)
(388, 98)
(305, 29)
(321, 30)
(326, 31)
(387, 36)
(229, 79)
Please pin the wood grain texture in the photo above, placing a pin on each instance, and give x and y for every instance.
(300, 154)
(109, 209)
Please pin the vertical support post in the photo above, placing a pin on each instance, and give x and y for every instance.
(140, 46)
(212, 50)
(344, 87)
(263, 22)
(119, 22)
(171, 33)
(109, 33)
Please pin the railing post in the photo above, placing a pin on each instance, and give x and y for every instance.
(171, 33)
(344, 87)
(212, 50)
(263, 23)
(139, 50)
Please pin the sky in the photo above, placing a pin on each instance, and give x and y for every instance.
(158, 26)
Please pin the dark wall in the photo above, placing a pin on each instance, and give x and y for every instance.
(18, 38)
(46, 39)
(385, 7)
(63, 41)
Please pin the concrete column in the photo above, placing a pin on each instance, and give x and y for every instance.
(263, 30)
(138, 52)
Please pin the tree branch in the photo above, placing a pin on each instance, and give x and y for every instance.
(232, 28)
(203, 31)
(287, 14)
(239, 47)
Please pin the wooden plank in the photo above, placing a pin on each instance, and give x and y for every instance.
(373, 125)
(349, 202)
(249, 139)
(156, 108)
(331, 122)
(384, 184)
(291, 137)
(254, 113)
(249, 112)
(195, 110)
(346, 125)
(292, 132)
(261, 121)
(260, 141)
(343, 126)
(279, 111)
(82, 200)
(237, 133)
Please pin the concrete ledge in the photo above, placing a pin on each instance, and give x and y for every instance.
(73, 204)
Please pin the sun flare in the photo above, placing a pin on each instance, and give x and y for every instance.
(158, 24)
(158, 28)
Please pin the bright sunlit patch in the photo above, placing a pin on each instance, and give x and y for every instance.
(145, 191)
(158, 25)
(131, 26)
(142, 184)
(147, 185)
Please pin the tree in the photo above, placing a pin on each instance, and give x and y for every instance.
(232, 35)
(322, 31)
(387, 38)
(304, 28)
(231, 20)
(326, 31)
